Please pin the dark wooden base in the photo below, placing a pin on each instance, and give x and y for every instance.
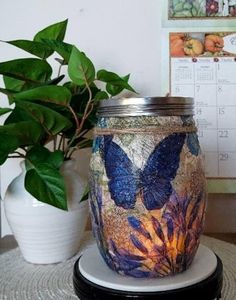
(208, 289)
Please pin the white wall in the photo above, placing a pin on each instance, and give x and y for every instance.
(123, 35)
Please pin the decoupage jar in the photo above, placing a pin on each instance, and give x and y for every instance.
(148, 189)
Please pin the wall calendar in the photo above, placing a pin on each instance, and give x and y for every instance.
(203, 66)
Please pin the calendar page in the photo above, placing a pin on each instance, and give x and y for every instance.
(203, 66)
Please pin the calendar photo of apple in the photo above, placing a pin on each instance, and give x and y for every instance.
(201, 9)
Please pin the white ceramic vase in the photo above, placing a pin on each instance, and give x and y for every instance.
(46, 234)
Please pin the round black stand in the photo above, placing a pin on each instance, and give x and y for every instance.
(86, 286)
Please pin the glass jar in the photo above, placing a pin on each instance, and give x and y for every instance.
(148, 189)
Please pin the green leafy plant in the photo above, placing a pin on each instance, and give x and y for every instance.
(46, 109)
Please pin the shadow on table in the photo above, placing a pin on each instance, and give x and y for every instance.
(7, 243)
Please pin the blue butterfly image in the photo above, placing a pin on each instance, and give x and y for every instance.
(153, 182)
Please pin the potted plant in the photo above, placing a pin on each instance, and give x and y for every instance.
(48, 120)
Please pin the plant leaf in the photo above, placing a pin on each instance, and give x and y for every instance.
(8, 144)
(137, 225)
(50, 120)
(40, 154)
(114, 90)
(16, 85)
(25, 133)
(46, 184)
(55, 32)
(72, 87)
(36, 155)
(27, 69)
(114, 80)
(55, 81)
(138, 244)
(170, 230)
(7, 92)
(60, 47)
(80, 68)
(56, 158)
(13, 84)
(158, 229)
(195, 210)
(101, 95)
(85, 195)
(36, 48)
(4, 110)
(54, 94)
(44, 166)
(17, 115)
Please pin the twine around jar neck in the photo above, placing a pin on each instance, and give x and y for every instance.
(146, 130)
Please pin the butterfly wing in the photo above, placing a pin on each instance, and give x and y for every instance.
(155, 191)
(97, 142)
(121, 174)
(193, 143)
(160, 170)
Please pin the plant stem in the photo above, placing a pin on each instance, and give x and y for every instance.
(16, 154)
(83, 90)
(87, 111)
(54, 143)
(59, 70)
(83, 133)
(74, 115)
(71, 151)
(63, 144)
(60, 142)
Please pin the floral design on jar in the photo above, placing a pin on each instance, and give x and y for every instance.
(148, 193)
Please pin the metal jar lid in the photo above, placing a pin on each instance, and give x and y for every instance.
(148, 106)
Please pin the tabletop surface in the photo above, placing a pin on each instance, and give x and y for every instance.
(20, 280)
